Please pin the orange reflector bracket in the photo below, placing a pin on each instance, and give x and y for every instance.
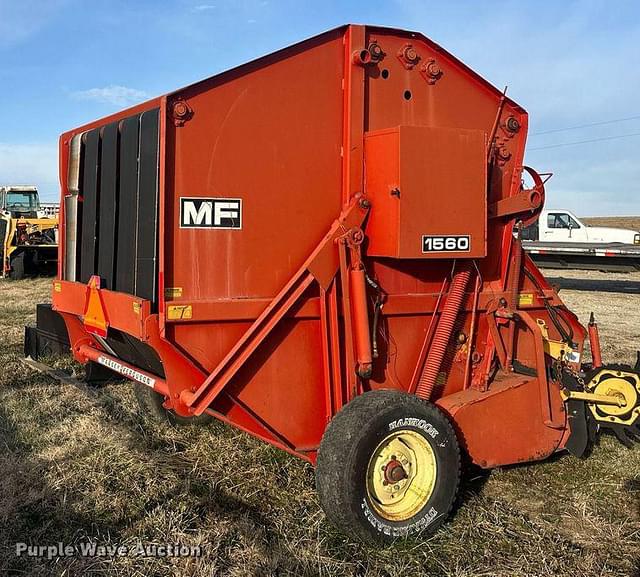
(95, 319)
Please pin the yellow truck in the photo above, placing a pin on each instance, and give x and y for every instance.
(28, 232)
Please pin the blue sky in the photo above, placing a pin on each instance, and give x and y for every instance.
(65, 62)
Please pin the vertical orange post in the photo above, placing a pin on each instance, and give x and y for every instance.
(594, 341)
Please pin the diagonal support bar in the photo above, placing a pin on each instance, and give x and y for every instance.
(321, 266)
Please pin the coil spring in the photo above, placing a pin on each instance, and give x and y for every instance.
(443, 332)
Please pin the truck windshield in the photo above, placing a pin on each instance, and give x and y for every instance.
(561, 220)
(22, 200)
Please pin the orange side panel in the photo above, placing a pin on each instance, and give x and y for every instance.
(272, 139)
(428, 187)
(504, 426)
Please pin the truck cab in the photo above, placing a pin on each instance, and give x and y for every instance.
(23, 202)
(560, 225)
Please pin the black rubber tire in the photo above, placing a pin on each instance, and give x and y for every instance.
(151, 404)
(17, 267)
(343, 458)
(96, 375)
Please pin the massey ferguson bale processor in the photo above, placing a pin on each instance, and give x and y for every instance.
(318, 248)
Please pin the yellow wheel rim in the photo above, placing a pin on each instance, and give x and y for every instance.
(622, 386)
(401, 475)
(620, 389)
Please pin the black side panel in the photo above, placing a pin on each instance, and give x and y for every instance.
(108, 207)
(147, 233)
(135, 352)
(90, 193)
(49, 337)
(127, 206)
(119, 224)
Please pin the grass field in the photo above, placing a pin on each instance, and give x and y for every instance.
(632, 222)
(78, 465)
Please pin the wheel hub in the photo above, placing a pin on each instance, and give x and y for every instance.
(394, 472)
(622, 386)
(401, 475)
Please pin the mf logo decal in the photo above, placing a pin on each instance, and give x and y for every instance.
(221, 213)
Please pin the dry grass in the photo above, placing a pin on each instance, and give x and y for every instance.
(78, 465)
(632, 222)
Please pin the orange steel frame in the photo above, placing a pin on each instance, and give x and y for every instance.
(502, 416)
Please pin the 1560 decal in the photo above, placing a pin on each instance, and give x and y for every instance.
(446, 243)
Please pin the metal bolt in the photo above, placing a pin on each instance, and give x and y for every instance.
(433, 69)
(408, 56)
(503, 153)
(376, 51)
(512, 124)
(410, 53)
(180, 109)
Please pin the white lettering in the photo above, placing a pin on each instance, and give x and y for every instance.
(198, 217)
(127, 371)
(216, 213)
(417, 423)
(91, 549)
(382, 527)
(221, 210)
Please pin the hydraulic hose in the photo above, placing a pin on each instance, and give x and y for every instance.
(554, 315)
(516, 269)
(513, 289)
(443, 332)
(377, 309)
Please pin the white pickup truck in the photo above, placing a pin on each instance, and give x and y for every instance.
(564, 226)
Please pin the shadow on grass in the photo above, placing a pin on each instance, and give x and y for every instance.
(633, 487)
(32, 511)
(38, 511)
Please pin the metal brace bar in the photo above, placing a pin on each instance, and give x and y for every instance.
(319, 265)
